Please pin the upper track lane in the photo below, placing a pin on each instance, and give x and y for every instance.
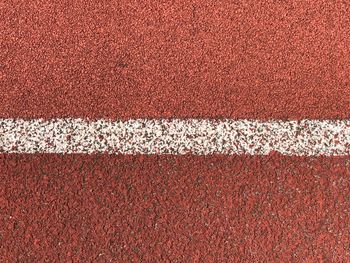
(271, 60)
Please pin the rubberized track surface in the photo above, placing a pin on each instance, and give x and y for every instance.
(165, 59)
(174, 209)
(174, 59)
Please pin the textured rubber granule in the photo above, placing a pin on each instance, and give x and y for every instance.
(165, 59)
(100, 208)
(279, 60)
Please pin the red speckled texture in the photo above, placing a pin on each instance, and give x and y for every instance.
(164, 59)
(80, 208)
(132, 59)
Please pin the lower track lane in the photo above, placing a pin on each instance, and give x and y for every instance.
(174, 208)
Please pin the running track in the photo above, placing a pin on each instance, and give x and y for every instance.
(125, 60)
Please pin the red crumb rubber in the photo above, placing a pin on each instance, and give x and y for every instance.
(80, 208)
(164, 59)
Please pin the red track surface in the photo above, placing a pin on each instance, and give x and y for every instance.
(174, 209)
(278, 59)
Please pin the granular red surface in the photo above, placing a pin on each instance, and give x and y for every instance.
(80, 208)
(164, 59)
(123, 59)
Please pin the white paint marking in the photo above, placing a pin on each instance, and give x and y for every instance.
(160, 136)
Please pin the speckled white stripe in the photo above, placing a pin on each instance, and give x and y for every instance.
(160, 136)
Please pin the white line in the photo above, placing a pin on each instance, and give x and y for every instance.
(160, 136)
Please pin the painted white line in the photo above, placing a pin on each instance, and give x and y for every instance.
(160, 136)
